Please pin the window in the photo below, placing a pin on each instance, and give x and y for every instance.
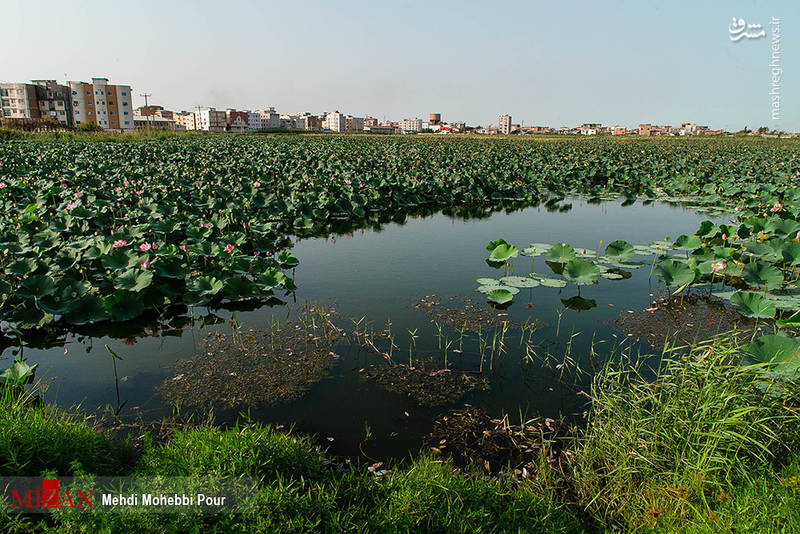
(124, 103)
(111, 113)
(127, 122)
(74, 92)
(124, 112)
(77, 122)
(110, 103)
(124, 93)
(88, 92)
(109, 92)
(74, 102)
(91, 113)
(77, 112)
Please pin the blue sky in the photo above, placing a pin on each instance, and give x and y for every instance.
(621, 62)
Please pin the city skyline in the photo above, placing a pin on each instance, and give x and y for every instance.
(543, 65)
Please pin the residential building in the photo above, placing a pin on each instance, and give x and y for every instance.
(270, 119)
(253, 121)
(647, 130)
(411, 125)
(619, 130)
(335, 122)
(370, 121)
(156, 122)
(378, 129)
(106, 105)
(289, 122)
(236, 121)
(504, 124)
(210, 120)
(39, 100)
(353, 124)
(185, 120)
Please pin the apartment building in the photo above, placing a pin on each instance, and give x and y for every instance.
(186, 120)
(335, 122)
(237, 121)
(353, 124)
(106, 105)
(411, 125)
(504, 124)
(210, 120)
(270, 119)
(253, 121)
(40, 100)
(620, 130)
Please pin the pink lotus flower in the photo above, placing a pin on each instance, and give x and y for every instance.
(256, 184)
(71, 205)
(777, 207)
(146, 265)
(229, 248)
(119, 243)
(126, 183)
(720, 265)
(724, 236)
(797, 236)
(78, 194)
(268, 253)
(255, 253)
(3, 185)
(144, 247)
(139, 192)
(347, 181)
(205, 225)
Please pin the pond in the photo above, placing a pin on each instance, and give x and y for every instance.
(416, 279)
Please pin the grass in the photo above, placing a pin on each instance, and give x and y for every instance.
(696, 445)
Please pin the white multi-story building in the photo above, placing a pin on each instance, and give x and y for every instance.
(210, 120)
(253, 121)
(411, 125)
(336, 122)
(106, 105)
(504, 124)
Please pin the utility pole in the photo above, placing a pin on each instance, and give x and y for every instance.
(147, 108)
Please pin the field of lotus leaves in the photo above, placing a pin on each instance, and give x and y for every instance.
(95, 232)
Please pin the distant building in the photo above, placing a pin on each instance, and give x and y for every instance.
(435, 118)
(335, 122)
(210, 120)
(619, 130)
(590, 128)
(237, 121)
(270, 119)
(106, 105)
(504, 124)
(370, 121)
(353, 124)
(43, 100)
(647, 130)
(185, 119)
(253, 121)
(155, 122)
(378, 129)
(411, 125)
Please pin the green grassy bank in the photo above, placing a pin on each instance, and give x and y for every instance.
(698, 445)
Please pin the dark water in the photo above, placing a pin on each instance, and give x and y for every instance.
(380, 275)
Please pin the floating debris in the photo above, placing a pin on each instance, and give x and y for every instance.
(686, 319)
(428, 386)
(469, 435)
(462, 314)
(256, 367)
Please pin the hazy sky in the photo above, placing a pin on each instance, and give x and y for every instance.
(544, 63)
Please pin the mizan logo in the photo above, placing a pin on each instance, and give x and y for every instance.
(50, 496)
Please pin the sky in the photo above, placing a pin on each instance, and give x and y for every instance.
(565, 63)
